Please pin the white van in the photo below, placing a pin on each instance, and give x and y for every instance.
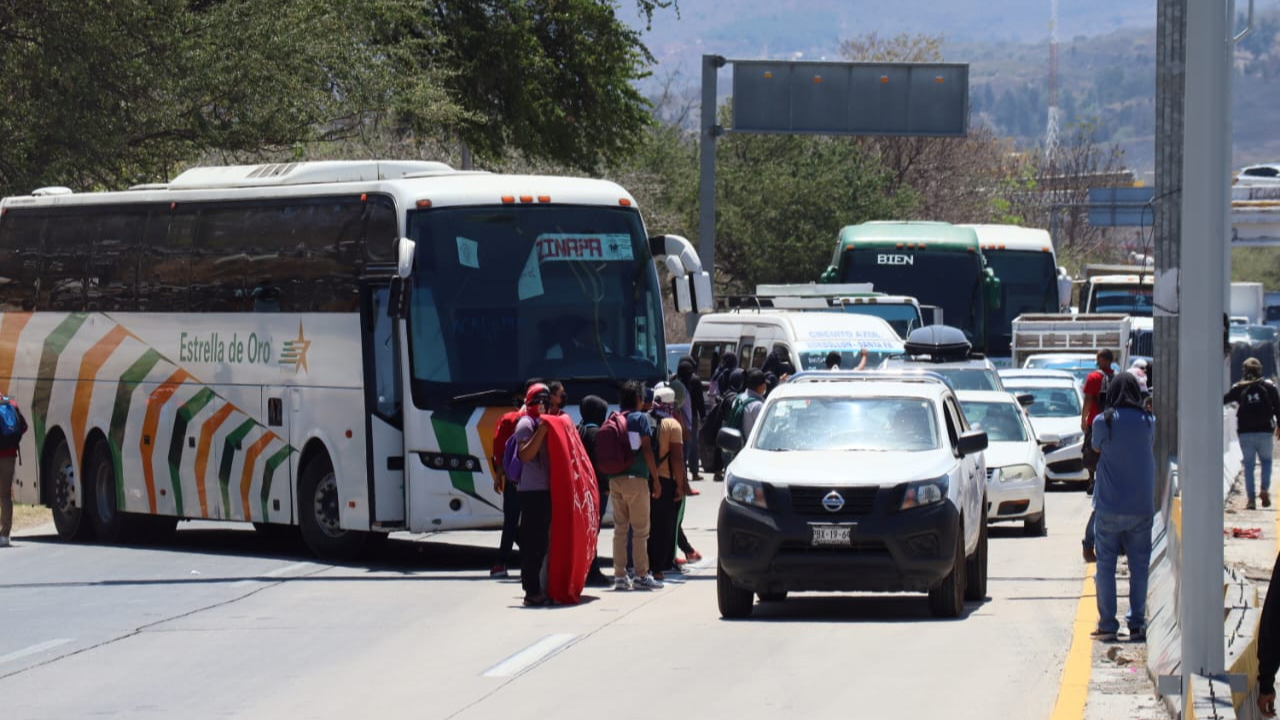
(806, 336)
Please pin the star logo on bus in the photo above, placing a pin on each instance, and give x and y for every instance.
(294, 351)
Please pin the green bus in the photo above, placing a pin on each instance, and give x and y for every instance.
(935, 262)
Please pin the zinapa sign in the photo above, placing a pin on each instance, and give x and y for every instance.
(238, 349)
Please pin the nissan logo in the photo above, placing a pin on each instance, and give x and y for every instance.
(833, 501)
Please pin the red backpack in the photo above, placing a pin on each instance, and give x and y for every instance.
(613, 445)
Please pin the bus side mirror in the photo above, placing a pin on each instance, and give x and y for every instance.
(828, 275)
(991, 285)
(680, 294)
(404, 257)
(1064, 291)
(700, 286)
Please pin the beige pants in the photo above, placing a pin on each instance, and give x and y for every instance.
(630, 498)
(6, 494)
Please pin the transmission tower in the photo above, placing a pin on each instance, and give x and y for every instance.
(1051, 132)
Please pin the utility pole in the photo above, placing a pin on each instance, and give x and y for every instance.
(1171, 56)
(1201, 278)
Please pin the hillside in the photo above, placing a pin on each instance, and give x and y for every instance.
(1106, 58)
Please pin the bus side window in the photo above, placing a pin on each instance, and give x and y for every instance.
(224, 239)
(19, 259)
(164, 265)
(113, 267)
(64, 276)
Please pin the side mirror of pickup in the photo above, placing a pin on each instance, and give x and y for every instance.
(972, 442)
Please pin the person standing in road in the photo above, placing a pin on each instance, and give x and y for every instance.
(664, 508)
(694, 409)
(1269, 645)
(1257, 417)
(630, 493)
(1095, 395)
(535, 495)
(749, 403)
(594, 412)
(502, 485)
(556, 395)
(1124, 503)
(12, 427)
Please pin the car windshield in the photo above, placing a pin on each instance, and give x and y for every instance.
(1055, 401)
(1000, 420)
(502, 293)
(841, 423)
(968, 378)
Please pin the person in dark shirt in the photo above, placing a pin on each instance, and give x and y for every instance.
(1269, 646)
(594, 412)
(1257, 412)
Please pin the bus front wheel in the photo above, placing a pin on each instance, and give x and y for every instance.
(318, 503)
(69, 517)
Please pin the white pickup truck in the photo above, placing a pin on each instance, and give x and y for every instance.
(1085, 334)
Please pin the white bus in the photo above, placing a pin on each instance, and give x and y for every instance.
(1030, 280)
(221, 346)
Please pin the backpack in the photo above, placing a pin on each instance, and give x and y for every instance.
(12, 424)
(613, 445)
(715, 418)
(588, 438)
(512, 465)
(740, 405)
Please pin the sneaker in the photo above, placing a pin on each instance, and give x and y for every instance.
(536, 600)
(1136, 635)
(1103, 635)
(622, 583)
(1251, 505)
(648, 582)
(4, 541)
(1090, 556)
(680, 563)
(498, 571)
(1265, 497)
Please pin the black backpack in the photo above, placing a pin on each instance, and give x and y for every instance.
(715, 419)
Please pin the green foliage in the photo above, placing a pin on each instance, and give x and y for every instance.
(104, 94)
(1261, 264)
(550, 79)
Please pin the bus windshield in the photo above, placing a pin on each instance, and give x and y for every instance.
(1028, 284)
(1130, 299)
(949, 279)
(501, 294)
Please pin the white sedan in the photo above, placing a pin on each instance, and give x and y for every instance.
(1015, 464)
(1055, 416)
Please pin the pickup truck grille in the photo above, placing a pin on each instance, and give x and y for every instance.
(807, 500)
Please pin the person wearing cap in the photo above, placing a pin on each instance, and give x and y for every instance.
(1139, 370)
(672, 482)
(1257, 414)
(535, 494)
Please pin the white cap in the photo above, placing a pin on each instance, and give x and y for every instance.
(1140, 363)
(664, 395)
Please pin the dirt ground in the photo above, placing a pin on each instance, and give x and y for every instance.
(26, 516)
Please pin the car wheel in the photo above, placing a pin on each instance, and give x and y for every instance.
(976, 569)
(69, 517)
(735, 604)
(318, 514)
(1034, 528)
(947, 600)
(772, 596)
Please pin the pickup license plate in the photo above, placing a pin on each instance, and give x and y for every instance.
(832, 534)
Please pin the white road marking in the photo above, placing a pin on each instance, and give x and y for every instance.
(32, 650)
(274, 573)
(531, 656)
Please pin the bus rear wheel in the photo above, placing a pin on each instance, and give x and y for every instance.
(60, 480)
(318, 503)
(110, 524)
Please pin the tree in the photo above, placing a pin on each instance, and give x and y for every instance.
(550, 79)
(103, 95)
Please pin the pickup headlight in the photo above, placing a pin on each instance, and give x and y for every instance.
(924, 492)
(745, 492)
(1013, 473)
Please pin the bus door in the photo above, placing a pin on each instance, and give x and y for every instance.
(384, 417)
